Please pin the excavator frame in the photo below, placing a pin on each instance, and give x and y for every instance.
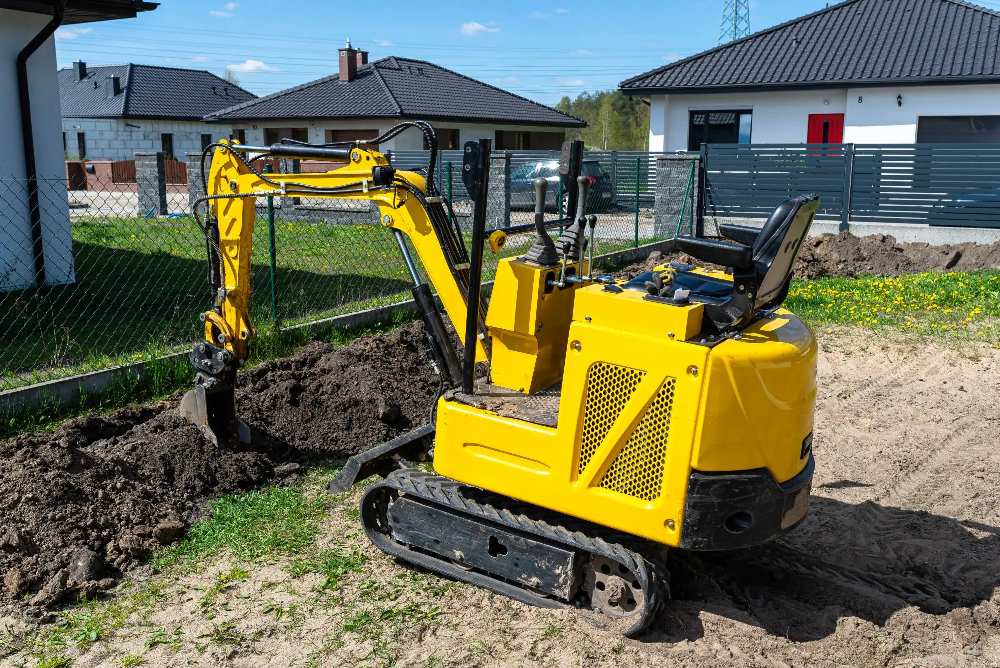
(590, 424)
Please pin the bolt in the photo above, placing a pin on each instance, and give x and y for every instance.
(221, 338)
(741, 288)
(355, 156)
(538, 327)
(386, 219)
(202, 317)
(234, 186)
(670, 335)
(576, 346)
(587, 318)
(468, 168)
(671, 525)
(693, 370)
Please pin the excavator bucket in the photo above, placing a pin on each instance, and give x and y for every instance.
(214, 413)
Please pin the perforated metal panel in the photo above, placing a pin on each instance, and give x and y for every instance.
(638, 469)
(609, 388)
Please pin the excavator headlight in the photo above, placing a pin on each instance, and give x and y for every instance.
(382, 175)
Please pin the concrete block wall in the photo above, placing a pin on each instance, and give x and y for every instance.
(117, 138)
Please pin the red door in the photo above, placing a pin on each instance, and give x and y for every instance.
(825, 129)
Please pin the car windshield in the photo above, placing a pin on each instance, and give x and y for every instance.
(523, 171)
(548, 169)
(591, 169)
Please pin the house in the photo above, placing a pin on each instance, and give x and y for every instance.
(110, 112)
(861, 71)
(35, 244)
(365, 99)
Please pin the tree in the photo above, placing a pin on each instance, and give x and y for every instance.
(615, 122)
(230, 77)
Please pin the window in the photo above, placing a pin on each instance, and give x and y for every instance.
(349, 135)
(240, 136)
(958, 129)
(548, 170)
(275, 135)
(81, 146)
(523, 172)
(447, 139)
(511, 140)
(167, 145)
(206, 141)
(719, 127)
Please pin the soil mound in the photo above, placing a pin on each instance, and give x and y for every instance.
(88, 501)
(847, 255)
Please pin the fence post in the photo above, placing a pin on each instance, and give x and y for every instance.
(845, 215)
(451, 198)
(498, 198)
(702, 191)
(614, 178)
(274, 256)
(196, 188)
(637, 163)
(151, 182)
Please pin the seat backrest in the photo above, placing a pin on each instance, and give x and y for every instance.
(777, 246)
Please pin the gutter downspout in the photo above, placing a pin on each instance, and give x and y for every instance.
(28, 138)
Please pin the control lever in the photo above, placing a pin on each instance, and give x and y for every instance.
(561, 283)
(543, 251)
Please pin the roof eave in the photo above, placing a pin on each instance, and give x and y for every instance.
(455, 119)
(810, 85)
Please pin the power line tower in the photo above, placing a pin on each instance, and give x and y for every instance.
(735, 20)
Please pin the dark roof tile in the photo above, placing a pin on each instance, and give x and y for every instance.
(400, 87)
(147, 92)
(856, 43)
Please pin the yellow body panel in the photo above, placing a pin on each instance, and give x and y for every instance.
(529, 326)
(662, 405)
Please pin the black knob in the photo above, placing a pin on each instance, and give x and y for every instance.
(592, 220)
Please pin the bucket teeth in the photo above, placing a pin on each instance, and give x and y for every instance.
(214, 413)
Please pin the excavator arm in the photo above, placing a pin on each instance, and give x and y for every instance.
(405, 207)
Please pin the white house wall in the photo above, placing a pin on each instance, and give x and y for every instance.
(878, 118)
(778, 117)
(410, 139)
(17, 269)
(118, 139)
(782, 117)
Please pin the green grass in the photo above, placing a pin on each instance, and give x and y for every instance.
(957, 304)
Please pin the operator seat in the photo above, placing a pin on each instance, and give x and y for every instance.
(761, 262)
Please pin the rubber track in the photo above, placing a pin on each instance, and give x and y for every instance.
(647, 567)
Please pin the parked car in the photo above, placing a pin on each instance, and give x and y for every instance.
(522, 185)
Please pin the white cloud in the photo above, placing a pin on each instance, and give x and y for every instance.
(230, 6)
(220, 14)
(562, 11)
(672, 56)
(579, 52)
(253, 66)
(201, 59)
(570, 82)
(383, 42)
(509, 81)
(539, 15)
(472, 28)
(72, 32)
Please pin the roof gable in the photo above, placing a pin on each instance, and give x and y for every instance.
(400, 87)
(147, 92)
(856, 43)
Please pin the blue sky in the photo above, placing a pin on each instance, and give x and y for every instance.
(542, 51)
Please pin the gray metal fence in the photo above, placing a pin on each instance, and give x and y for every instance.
(936, 184)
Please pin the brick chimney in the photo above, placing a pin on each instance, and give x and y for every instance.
(80, 68)
(362, 58)
(349, 58)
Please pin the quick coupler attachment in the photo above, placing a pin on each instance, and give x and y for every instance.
(211, 405)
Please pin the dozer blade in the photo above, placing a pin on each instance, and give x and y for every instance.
(382, 459)
(214, 413)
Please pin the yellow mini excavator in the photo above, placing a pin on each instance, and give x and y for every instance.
(589, 423)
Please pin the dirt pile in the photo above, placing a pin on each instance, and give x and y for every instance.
(91, 499)
(846, 255)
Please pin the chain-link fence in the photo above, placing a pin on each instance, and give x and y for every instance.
(95, 275)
